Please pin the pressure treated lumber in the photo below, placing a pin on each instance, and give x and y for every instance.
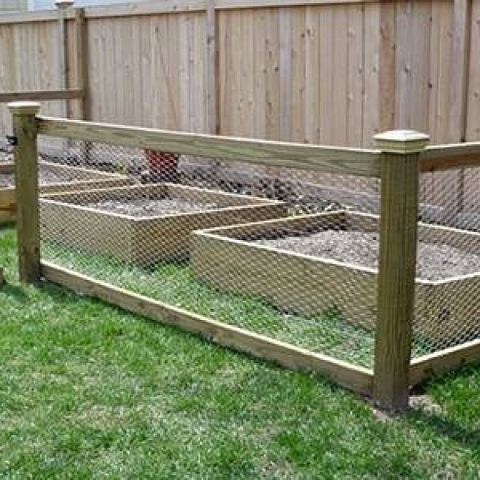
(342, 373)
(452, 156)
(144, 240)
(26, 188)
(291, 281)
(396, 279)
(423, 368)
(42, 95)
(261, 152)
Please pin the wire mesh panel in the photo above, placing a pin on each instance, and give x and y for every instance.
(270, 250)
(448, 266)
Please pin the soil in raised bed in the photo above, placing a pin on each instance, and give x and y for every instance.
(435, 261)
(149, 207)
(47, 175)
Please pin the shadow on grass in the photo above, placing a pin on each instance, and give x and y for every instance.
(6, 226)
(443, 427)
(15, 291)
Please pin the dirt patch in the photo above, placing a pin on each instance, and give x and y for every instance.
(435, 261)
(148, 207)
(46, 175)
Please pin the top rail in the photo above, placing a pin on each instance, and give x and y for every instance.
(166, 6)
(42, 95)
(351, 161)
(446, 157)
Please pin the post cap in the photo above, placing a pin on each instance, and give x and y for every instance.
(401, 141)
(63, 3)
(24, 108)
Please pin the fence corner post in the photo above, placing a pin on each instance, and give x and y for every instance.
(400, 172)
(26, 189)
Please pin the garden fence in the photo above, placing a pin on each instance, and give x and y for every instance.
(237, 240)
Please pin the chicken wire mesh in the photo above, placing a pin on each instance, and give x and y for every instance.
(287, 253)
(448, 261)
(281, 252)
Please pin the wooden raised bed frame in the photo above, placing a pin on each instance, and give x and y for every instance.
(86, 179)
(150, 239)
(307, 285)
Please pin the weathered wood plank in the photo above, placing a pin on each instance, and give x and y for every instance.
(345, 374)
(387, 65)
(397, 262)
(457, 114)
(26, 189)
(453, 156)
(42, 95)
(423, 368)
(313, 157)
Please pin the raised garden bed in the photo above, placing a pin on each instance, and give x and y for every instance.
(52, 178)
(145, 224)
(327, 263)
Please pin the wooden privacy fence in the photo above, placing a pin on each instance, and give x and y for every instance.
(321, 72)
(401, 156)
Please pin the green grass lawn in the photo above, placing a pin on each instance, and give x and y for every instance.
(88, 391)
(174, 284)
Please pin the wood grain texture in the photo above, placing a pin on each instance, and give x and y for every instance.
(309, 285)
(473, 92)
(459, 66)
(453, 156)
(84, 179)
(345, 374)
(303, 71)
(424, 368)
(396, 279)
(387, 65)
(26, 189)
(41, 96)
(144, 240)
(262, 152)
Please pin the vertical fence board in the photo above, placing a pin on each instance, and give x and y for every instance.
(371, 96)
(387, 65)
(421, 50)
(326, 77)
(339, 76)
(285, 69)
(403, 67)
(272, 76)
(356, 75)
(312, 67)
(473, 92)
(320, 80)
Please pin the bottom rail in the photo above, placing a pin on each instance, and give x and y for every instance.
(352, 377)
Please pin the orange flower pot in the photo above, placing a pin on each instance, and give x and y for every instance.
(162, 166)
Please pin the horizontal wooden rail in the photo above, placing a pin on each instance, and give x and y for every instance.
(445, 157)
(42, 95)
(422, 368)
(260, 152)
(345, 374)
(167, 6)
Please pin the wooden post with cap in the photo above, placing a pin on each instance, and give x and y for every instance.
(400, 172)
(26, 189)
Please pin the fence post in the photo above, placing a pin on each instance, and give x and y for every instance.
(398, 248)
(26, 189)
